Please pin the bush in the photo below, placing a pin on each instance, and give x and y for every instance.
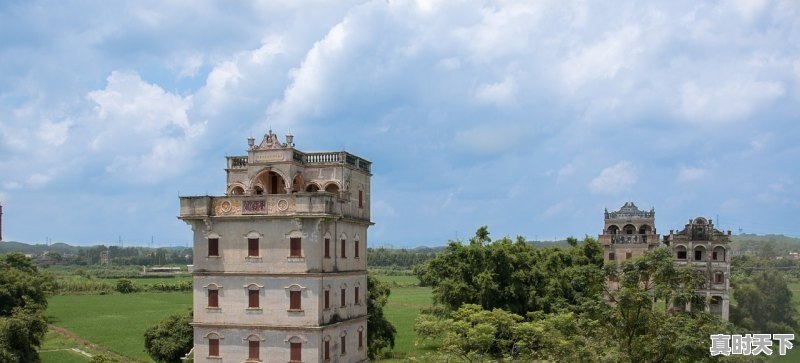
(170, 339)
(125, 286)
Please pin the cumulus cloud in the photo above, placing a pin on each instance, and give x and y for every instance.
(688, 174)
(728, 100)
(146, 128)
(614, 179)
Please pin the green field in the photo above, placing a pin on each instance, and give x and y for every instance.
(116, 321)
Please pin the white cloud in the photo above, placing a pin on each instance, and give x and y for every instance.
(55, 133)
(688, 174)
(727, 100)
(145, 129)
(499, 93)
(614, 179)
(604, 59)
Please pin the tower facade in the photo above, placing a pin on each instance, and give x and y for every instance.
(704, 248)
(280, 268)
(628, 233)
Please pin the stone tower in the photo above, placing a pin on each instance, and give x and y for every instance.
(704, 248)
(628, 233)
(280, 264)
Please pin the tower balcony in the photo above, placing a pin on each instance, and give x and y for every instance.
(290, 205)
(609, 239)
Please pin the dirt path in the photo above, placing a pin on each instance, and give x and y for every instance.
(69, 334)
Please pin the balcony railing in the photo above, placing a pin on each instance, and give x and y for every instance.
(340, 157)
(296, 204)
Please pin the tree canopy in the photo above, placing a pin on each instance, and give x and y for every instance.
(380, 332)
(23, 301)
(170, 339)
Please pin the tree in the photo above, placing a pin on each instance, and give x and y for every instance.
(513, 275)
(764, 304)
(380, 332)
(22, 305)
(170, 339)
(125, 286)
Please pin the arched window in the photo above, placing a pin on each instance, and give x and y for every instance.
(718, 254)
(699, 253)
(629, 229)
(236, 190)
(213, 344)
(212, 295)
(254, 347)
(332, 188)
(680, 252)
(253, 295)
(312, 187)
(645, 229)
(612, 229)
(295, 348)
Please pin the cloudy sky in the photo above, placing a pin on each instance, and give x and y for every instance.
(528, 117)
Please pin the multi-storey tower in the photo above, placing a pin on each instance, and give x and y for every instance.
(704, 248)
(280, 260)
(628, 233)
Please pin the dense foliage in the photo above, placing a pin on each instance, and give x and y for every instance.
(513, 275)
(504, 300)
(380, 332)
(399, 258)
(22, 305)
(170, 339)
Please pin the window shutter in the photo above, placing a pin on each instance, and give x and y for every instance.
(213, 246)
(356, 244)
(252, 298)
(327, 248)
(344, 346)
(327, 350)
(253, 350)
(294, 300)
(361, 199)
(213, 298)
(344, 297)
(361, 340)
(327, 299)
(252, 247)
(295, 355)
(294, 247)
(356, 296)
(213, 347)
(611, 256)
(344, 249)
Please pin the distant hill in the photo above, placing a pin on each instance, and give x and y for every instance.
(753, 242)
(62, 248)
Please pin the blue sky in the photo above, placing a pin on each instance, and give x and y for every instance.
(528, 117)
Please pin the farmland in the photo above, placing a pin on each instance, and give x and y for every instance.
(114, 323)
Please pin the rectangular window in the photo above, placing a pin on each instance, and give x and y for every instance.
(681, 255)
(344, 249)
(327, 248)
(294, 300)
(344, 297)
(628, 255)
(253, 350)
(295, 355)
(356, 249)
(714, 255)
(698, 255)
(717, 278)
(295, 247)
(252, 299)
(213, 298)
(327, 299)
(360, 339)
(213, 246)
(344, 346)
(356, 296)
(361, 199)
(252, 247)
(611, 256)
(327, 350)
(213, 347)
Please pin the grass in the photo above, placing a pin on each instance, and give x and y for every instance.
(116, 321)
